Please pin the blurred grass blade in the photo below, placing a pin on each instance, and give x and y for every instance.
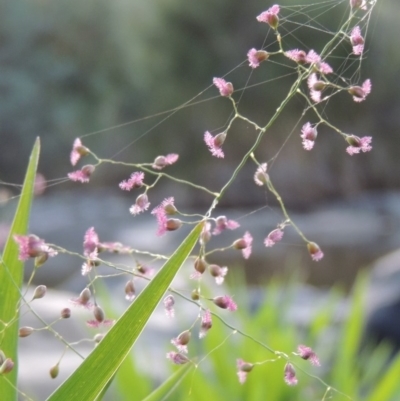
(389, 386)
(89, 379)
(11, 276)
(160, 393)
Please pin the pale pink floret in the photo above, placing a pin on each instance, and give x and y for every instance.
(315, 251)
(225, 88)
(314, 58)
(273, 237)
(205, 234)
(248, 239)
(31, 246)
(243, 369)
(359, 144)
(206, 323)
(254, 62)
(314, 94)
(134, 181)
(78, 150)
(95, 324)
(269, 16)
(142, 204)
(225, 302)
(218, 273)
(261, 176)
(162, 219)
(169, 303)
(244, 244)
(299, 56)
(177, 358)
(83, 300)
(162, 161)
(88, 266)
(357, 41)
(308, 354)
(82, 175)
(182, 341)
(90, 242)
(161, 215)
(290, 375)
(361, 92)
(214, 144)
(222, 223)
(309, 135)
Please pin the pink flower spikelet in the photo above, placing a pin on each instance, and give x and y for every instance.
(261, 177)
(142, 204)
(252, 57)
(270, 16)
(308, 354)
(90, 242)
(31, 246)
(162, 161)
(218, 273)
(255, 57)
(313, 83)
(244, 244)
(161, 214)
(225, 88)
(309, 135)
(222, 223)
(361, 92)
(358, 144)
(273, 237)
(225, 302)
(290, 375)
(134, 181)
(314, 58)
(315, 251)
(177, 358)
(182, 341)
(83, 175)
(206, 323)
(95, 324)
(357, 41)
(215, 143)
(169, 303)
(78, 151)
(243, 369)
(299, 56)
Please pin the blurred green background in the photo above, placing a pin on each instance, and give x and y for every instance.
(69, 68)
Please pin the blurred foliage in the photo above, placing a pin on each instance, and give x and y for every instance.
(336, 335)
(70, 67)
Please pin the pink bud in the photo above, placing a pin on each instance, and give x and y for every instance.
(7, 366)
(98, 313)
(25, 331)
(315, 251)
(200, 265)
(66, 313)
(40, 292)
(173, 224)
(129, 290)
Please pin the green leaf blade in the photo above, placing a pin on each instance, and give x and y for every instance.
(11, 276)
(98, 368)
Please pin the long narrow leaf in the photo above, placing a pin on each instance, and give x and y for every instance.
(11, 276)
(166, 388)
(87, 382)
